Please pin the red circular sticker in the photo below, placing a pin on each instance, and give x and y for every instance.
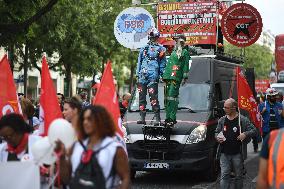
(241, 25)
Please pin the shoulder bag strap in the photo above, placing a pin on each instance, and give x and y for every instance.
(84, 147)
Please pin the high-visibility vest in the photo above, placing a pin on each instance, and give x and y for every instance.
(276, 159)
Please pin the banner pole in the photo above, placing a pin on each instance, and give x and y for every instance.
(237, 74)
(217, 24)
(240, 120)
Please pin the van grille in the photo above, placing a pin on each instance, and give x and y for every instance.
(157, 150)
(158, 145)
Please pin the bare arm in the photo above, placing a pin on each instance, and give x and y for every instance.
(64, 162)
(122, 168)
(262, 182)
(65, 169)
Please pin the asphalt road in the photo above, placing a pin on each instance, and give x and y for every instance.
(170, 180)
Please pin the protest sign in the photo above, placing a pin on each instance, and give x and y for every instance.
(19, 175)
(196, 20)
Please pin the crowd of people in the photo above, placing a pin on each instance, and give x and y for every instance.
(98, 159)
(96, 133)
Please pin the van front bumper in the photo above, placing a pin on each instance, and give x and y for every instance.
(186, 159)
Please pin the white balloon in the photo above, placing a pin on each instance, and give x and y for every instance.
(43, 152)
(62, 130)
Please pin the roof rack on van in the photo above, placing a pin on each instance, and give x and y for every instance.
(222, 56)
(229, 58)
(204, 56)
(196, 51)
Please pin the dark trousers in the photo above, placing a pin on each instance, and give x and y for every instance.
(152, 89)
(255, 142)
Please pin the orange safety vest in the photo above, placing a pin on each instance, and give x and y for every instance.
(276, 159)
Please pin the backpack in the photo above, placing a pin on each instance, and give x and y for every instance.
(89, 174)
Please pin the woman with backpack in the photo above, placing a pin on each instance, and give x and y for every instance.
(96, 160)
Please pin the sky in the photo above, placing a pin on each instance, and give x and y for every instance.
(272, 13)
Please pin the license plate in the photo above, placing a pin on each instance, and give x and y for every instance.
(156, 166)
(155, 137)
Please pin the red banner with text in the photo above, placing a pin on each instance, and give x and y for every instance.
(196, 20)
(261, 85)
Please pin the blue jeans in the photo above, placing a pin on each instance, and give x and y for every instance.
(226, 163)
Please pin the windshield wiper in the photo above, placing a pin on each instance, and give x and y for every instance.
(186, 108)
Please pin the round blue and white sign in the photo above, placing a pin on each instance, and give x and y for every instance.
(131, 27)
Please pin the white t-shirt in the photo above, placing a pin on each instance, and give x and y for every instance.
(105, 158)
(22, 156)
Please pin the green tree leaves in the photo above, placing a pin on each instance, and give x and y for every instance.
(256, 56)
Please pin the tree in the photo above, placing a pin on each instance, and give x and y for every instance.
(81, 32)
(18, 15)
(256, 56)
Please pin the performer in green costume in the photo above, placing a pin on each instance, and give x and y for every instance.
(176, 72)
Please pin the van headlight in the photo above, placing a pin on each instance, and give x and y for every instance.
(198, 134)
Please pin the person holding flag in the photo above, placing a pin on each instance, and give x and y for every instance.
(233, 132)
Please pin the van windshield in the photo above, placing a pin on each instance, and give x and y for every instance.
(191, 96)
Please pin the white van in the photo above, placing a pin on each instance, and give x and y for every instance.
(278, 86)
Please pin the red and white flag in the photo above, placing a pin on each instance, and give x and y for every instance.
(49, 106)
(107, 97)
(8, 94)
(246, 100)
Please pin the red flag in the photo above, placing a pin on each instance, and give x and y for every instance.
(107, 97)
(8, 94)
(246, 100)
(49, 109)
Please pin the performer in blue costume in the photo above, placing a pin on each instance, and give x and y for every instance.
(150, 68)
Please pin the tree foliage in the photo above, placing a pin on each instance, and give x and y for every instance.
(18, 15)
(79, 32)
(256, 56)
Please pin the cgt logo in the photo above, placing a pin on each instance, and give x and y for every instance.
(7, 109)
(239, 25)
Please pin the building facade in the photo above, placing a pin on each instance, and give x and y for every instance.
(267, 39)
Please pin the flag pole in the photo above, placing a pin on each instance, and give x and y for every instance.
(240, 120)
(237, 73)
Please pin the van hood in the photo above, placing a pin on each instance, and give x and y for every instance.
(186, 121)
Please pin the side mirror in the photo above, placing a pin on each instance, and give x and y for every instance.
(218, 109)
(220, 104)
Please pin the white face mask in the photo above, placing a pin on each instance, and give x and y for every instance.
(179, 46)
(180, 42)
